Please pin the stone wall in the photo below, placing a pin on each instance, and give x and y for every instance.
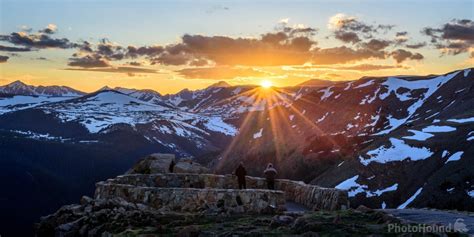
(313, 197)
(195, 199)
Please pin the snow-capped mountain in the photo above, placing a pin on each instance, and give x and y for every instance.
(20, 88)
(391, 141)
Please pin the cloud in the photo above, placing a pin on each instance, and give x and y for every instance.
(13, 49)
(3, 59)
(134, 63)
(401, 55)
(284, 21)
(89, 61)
(347, 37)
(218, 73)
(25, 28)
(343, 25)
(150, 51)
(42, 59)
(343, 54)
(285, 47)
(376, 45)
(50, 29)
(416, 45)
(341, 67)
(454, 37)
(369, 67)
(128, 70)
(37, 40)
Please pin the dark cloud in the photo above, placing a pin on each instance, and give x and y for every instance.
(350, 30)
(344, 54)
(110, 51)
(347, 37)
(401, 55)
(376, 45)
(13, 49)
(219, 73)
(403, 33)
(416, 46)
(134, 64)
(369, 67)
(50, 29)
(40, 40)
(289, 46)
(150, 51)
(128, 70)
(3, 59)
(42, 59)
(89, 61)
(454, 37)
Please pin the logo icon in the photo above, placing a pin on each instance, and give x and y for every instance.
(459, 226)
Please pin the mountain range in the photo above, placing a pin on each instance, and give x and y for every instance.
(392, 142)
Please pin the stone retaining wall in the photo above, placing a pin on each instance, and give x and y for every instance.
(195, 199)
(311, 196)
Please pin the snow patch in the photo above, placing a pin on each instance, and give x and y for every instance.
(410, 200)
(398, 151)
(418, 135)
(463, 120)
(258, 134)
(454, 157)
(435, 128)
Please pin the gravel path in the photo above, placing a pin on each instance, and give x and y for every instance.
(435, 217)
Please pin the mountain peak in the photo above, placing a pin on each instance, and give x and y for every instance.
(106, 88)
(16, 83)
(316, 83)
(219, 84)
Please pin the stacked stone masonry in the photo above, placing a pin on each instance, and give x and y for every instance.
(216, 193)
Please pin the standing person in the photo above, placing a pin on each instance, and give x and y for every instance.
(240, 172)
(270, 174)
(171, 167)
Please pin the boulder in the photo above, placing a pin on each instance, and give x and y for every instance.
(160, 163)
(152, 164)
(188, 166)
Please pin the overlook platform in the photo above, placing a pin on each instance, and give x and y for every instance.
(189, 192)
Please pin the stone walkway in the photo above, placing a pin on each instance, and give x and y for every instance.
(435, 217)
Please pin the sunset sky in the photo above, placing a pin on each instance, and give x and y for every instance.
(171, 45)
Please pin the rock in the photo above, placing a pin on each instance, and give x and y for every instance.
(281, 220)
(364, 209)
(159, 163)
(189, 231)
(310, 234)
(190, 167)
(152, 164)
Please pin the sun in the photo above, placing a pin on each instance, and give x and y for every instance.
(266, 84)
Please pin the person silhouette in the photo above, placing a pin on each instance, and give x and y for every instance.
(270, 174)
(171, 167)
(240, 172)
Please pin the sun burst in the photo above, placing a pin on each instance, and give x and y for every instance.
(266, 84)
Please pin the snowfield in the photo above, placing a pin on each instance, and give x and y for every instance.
(398, 151)
(435, 129)
(393, 84)
(419, 136)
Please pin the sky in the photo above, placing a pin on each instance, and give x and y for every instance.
(171, 45)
